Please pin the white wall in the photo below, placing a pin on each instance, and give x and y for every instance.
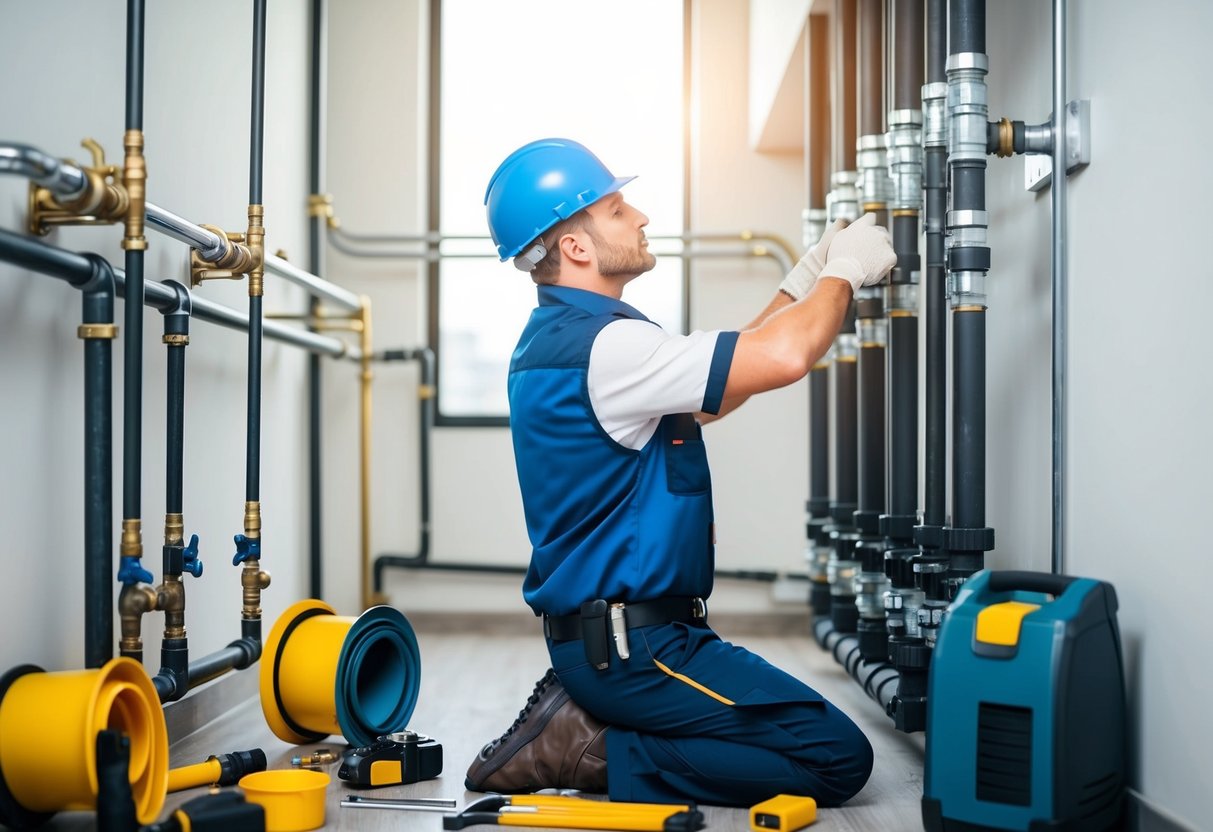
(1139, 351)
(65, 65)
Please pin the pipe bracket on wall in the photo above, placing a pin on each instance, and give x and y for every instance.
(102, 201)
(1038, 168)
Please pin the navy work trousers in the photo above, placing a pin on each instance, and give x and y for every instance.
(695, 718)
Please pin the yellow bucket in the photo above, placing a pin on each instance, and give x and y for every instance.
(293, 799)
(49, 724)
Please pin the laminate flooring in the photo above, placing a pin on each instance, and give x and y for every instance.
(474, 681)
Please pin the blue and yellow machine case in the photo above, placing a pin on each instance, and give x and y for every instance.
(1026, 707)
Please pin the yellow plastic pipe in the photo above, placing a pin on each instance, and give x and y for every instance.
(50, 722)
(199, 774)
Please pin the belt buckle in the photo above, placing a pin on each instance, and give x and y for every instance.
(699, 608)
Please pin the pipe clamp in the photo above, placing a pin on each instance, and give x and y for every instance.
(100, 331)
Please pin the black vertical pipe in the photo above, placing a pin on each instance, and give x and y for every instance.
(819, 440)
(842, 92)
(907, 54)
(846, 434)
(936, 301)
(969, 418)
(132, 354)
(316, 264)
(98, 308)
(252, 482)
(871, 450)
(870, 65)
(967, 27)
(175, 426)
(903, 428)
(257, 120)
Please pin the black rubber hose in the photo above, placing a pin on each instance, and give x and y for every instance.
(98, 308)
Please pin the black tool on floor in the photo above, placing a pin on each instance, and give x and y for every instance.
(219, 812)
(393, 759)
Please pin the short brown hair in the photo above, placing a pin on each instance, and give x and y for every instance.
(545, 270)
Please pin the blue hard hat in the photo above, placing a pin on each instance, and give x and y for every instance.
(540, 184)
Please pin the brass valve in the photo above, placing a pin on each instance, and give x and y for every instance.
(103, 201)
(319, 757)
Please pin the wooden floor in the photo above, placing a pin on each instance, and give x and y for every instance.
(473, 684)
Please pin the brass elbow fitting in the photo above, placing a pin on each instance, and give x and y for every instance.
(104, 200)
(170, 597)
(234, 260)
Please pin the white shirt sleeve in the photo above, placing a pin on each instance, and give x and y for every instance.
(639, 372)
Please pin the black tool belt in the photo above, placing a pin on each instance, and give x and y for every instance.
(599, 623)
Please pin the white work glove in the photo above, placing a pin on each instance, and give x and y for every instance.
(803, 275)
(861, 254)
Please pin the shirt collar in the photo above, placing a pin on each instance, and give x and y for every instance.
(591, 302)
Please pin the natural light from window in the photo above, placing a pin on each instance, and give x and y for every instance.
(608, 75)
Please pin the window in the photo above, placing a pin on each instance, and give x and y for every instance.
(608, 75)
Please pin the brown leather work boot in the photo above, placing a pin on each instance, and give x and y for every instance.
(553, 744)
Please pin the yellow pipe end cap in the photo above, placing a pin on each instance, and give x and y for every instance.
(293, 799)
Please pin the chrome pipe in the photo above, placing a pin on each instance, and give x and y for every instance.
(64, 179)
(1060, 165)
(195, 236)
(315, 286)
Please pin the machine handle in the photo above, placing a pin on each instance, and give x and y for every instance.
(1046, 582)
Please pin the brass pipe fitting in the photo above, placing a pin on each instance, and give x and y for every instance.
(134, 178)
(174, 529)
(235, 260)
(252, 582)
(170, 597)
(256, 245)
(1006, 139)
(133, 601)
(252, 520)
(132, 539)
(103, 201)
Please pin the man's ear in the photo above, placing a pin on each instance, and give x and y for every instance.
(574, 247)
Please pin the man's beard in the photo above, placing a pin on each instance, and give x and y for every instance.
(621, 261)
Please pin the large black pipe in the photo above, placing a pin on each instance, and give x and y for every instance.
(98, 311)
(871, 445)
(252, 481)
(846, 433)
(870, 65)
(819, 440)
(842, 94)
(257, 116)
(132, 353)
(316, 266)
(908, 53)
(903, 427)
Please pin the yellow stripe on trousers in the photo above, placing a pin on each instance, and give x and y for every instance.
(688, 680)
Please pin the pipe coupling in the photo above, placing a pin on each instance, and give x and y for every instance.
(872, 332)
(1038, 138)
(872, 159)
(132, 539)
(231, 258)
(813, 221)
(256, 245)
(901, 298)
(134, 178)
(846, 347)
(935, 114)
(252, 581)
(966, 289)
(174, 529)
(842, 203)
(904, 143)
(252, 520)
(968, 107)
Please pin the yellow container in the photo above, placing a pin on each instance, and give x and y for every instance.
(49, 724)
(323, 674)
(293, 799)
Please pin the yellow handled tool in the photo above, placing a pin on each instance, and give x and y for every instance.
(559, 812)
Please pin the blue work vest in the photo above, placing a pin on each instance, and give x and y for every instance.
(605, 521)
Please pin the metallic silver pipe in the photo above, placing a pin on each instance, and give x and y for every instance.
(64, 179)
(1060, 164)
(169, 224)
(315, 286)
(160, 296)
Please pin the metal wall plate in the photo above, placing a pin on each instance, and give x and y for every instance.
(1038, 168)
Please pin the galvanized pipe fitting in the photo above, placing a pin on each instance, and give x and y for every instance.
(842, 202)
(814, 221)
(935, 114)
(968, 108)
(904, 145)
(872, 159)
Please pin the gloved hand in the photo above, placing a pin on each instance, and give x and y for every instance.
(804, 274)
(861, 254)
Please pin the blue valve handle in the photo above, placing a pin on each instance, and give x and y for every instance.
(246, 548)
(189, 558)
(131, 571)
